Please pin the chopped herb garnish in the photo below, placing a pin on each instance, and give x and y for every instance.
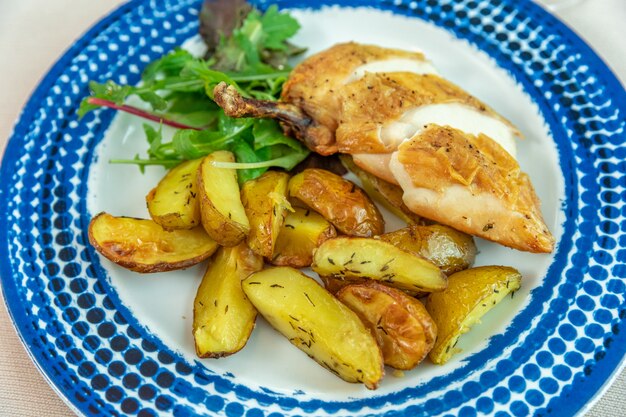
(308, 298)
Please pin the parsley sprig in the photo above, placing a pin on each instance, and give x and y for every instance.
(177, 90)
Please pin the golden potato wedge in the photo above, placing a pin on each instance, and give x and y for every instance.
(303, 231)
(143, 246)
(265, 202)
(317, 323)
(351, 257)
(470, 294)
(223, 317)
(222, 213)
(449, 249)
(403, 328)
(339, 201)
(173, 203)
(385, 193)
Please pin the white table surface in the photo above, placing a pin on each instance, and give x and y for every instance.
(34, 33)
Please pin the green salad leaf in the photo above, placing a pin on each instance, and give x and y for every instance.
(247, 49)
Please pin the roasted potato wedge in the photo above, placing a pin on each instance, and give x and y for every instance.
(470, 294)
(265, 202)
(222, 213)
(340, 201)
(449, 249)
(223, 317)
(403, 328)
(303, 231)
(173, 203)
(350, 257)
(386, 193)
(317, 323)
(143, 246)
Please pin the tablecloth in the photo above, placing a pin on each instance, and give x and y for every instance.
(34, 33)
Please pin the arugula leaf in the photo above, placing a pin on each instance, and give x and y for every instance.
(192, 109)
(278, 27)
(279, 58)
(111, 91)
(244, 153)
(286, 161)
(185, 143)
(168, 66)
(268, 133)
(107, 91)
(156, 101)
(155, 139)
(198, 70)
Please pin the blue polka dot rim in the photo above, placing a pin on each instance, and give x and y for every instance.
(554, 358)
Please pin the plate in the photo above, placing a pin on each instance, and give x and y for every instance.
(115, 343)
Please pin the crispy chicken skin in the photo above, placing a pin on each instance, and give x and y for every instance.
(355, 108)
(452, 155)
(473, 184)
(316, 84)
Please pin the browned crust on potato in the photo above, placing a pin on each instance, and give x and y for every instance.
(339, 201)
(449, 249)
(123, 254)
(403, 328)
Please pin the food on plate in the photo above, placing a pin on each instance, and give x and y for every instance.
(339, 201)
(383, 192)
(302, 232)
(434, 155)
(265, 202)
(449, 249)
(472, 184)
(317, 323)
(402, 326)
(173, 203)
(470, 295)
(452, 155)
(176, 90)
(347, 258)
(222, 212)
(144, 246)
(333, 285)
(376, 97)
(223, 317)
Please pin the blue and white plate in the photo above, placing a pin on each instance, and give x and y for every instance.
(114, 342)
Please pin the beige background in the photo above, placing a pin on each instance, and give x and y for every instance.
(34, 33)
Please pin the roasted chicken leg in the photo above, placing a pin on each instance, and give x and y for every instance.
(452, 155)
